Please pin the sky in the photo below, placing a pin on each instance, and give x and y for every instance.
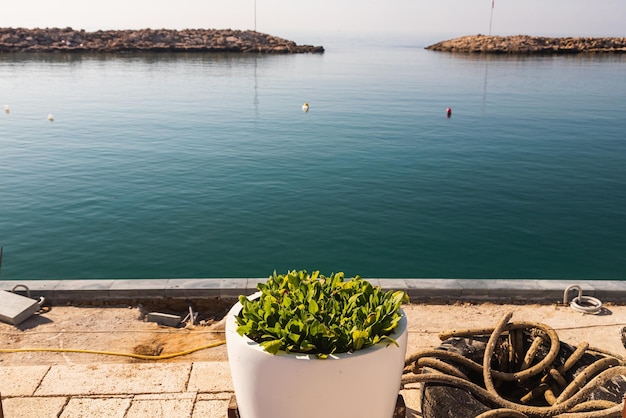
(350, 17)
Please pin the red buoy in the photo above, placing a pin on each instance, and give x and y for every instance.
(448, 112)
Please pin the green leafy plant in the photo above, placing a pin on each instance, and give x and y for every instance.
(310, 313)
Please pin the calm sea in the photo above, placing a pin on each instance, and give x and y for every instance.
(206, 166)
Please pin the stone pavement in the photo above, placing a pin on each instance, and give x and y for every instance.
(175, 390)
(137, 390)
(203, 388)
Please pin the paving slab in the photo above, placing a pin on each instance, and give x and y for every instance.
(217, 396)
(103, 379)
(96, 407)
(33, 407)
(210, 376)
(21, 380)
(211, 407)
(162, 405)
(164, 319)
(15, 309)
(412, 398)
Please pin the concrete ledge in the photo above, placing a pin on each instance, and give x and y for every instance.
(419, 290)
(189, 288)
(87, 289)
(130, 289)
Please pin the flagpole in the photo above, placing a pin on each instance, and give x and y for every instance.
(491, 18)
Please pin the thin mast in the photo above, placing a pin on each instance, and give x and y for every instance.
(490, 19)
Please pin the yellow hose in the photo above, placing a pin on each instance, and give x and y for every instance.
(111, 353)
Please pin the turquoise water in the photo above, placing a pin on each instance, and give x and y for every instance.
(206, 166)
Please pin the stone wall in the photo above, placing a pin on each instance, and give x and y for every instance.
(523, 44)
(145, 40)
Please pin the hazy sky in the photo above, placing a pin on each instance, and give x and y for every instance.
(412, 17)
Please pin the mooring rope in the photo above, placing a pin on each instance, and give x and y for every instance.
(562, 399)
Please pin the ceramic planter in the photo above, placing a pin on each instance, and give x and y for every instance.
(363, 384)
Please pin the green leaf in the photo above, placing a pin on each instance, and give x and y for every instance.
(307, 346)
(371, 318)
(313, 307)
(359, 337)
(271, 347)
(390, 341)
(244, 329)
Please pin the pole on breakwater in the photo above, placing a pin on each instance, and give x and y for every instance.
(490, 19)
(255, 15)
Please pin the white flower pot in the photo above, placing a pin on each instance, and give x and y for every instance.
(363, 384)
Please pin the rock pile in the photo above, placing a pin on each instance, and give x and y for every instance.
(147, 40)
(523, 44)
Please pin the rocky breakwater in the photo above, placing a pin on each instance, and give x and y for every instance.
(523, 44)
(147, 40)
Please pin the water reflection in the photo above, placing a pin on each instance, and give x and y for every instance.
(255, 101)
(484, 104)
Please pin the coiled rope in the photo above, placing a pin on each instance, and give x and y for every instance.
(562, 399)
(583, 304)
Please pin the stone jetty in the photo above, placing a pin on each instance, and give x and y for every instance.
(523, 44)
(147, 40)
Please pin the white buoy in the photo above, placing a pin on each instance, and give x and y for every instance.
(51, 117)
(6, 109)
(305, 107)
